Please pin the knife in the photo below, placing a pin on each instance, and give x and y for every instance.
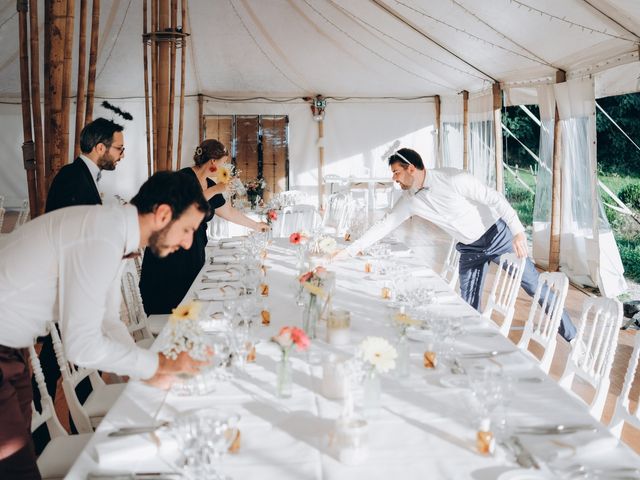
(133, 475)
(555, 429)
(523, 456)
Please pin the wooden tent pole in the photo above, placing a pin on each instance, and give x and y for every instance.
(183, 64)
(164, 22)
(154, 83)
(36, 111)
(172, 84)
(465, 130)
(556, 188)
(146, 82)
(48, 6)
(56, 73)
(82, 77)
(438, 139)
(200, 118)
(497, 135)
(93, 58)
(320, 165)
(28, 154)
(66, 79)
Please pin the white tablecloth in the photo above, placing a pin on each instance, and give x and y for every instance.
(423, 429)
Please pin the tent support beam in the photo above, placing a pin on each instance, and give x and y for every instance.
(162, 78)
(320, 165)
(66, 79)
(612, 20)
(82, 77)
(183, 66)
(423, 34)
(200, 118)
(36, 111)
(465, 131)
(497, 134)
(556, 188)
(438, 139)
(93, 58)
(145, 63)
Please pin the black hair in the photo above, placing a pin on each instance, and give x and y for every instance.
(209, 149)
(406, 156)
(175, 189)
(100, 130)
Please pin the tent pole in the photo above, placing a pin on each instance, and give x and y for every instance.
(438, 139)
(183, 63)
(93, 56)
(164, 23)
(465, 130)
(154, 82)
(36, 111)
(146, 83)
(172, 84)
(497, 134)
(66, 79)
(56, 74)
(556, 188)
(28, 156)
(200, 118)
(320, 165)
(82, 77)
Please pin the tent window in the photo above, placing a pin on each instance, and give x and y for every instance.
(259, 146)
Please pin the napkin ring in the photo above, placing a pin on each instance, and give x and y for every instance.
(430, 360)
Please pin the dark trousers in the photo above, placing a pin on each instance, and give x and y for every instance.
(17, 456)
(474, 264)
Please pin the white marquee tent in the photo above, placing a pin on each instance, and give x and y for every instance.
(379, 63)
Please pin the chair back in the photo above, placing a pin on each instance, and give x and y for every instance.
(295, 218)
(340, 210)
(622, 413)
(504, 291)
(23, 214)
(545, 315)
(72, 375)
(594, 348)
(136, 319)
(450, 272)
(48, 413)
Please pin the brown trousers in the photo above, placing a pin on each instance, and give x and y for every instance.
(17, 456)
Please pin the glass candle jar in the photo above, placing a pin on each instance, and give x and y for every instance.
(338, 327)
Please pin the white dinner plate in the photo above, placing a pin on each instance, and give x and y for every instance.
(454, 381)
(524, 474)
(418, 334)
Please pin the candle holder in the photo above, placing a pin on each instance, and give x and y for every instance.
(339, 327)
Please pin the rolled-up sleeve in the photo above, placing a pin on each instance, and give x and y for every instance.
(91, 337)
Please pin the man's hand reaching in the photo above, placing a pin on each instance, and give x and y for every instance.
(520, 245)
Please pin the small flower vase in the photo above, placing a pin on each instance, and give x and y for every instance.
(284, 380)
(403, 361)
(371, 390)
(311, 315)
(301, 257)
(253, 199)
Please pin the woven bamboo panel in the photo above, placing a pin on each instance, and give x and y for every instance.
(247, 146)
(274, 153)
(220, 128)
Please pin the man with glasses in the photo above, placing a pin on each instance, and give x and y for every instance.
(478, 217)
(102, 147)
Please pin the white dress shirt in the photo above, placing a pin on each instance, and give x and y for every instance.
(451, 199)
(93, 169)
(65, 266)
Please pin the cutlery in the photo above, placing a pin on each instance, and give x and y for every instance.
(524, 458)
(133, 475)
(490, 354)
(124, 431)
(559, 429)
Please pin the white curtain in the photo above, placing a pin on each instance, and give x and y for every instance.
(482, 162)
(542, 207)
(588, 252)
(451, 118)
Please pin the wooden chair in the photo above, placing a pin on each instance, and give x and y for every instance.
(591, 357)
(86, 416)
(545, 315)
(504, 291)
(63, 449)
(450, 272)
(622, 413)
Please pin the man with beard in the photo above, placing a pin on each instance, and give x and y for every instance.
(102, 147)
(66, 267)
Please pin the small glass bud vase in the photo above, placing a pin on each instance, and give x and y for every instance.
(371, 390)
(403, 361)
(311, 315)
(284, 385)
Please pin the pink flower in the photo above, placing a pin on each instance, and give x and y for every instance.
(306, 277)
(321, 270)
(300, 339)
(295, 238)
(272, 215)
(284, 337)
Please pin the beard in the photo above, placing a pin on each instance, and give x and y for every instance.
(158, 245)
(107, 162)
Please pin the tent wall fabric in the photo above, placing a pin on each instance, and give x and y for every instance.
(482, 150)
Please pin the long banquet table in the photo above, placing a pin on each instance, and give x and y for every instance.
(423, 429)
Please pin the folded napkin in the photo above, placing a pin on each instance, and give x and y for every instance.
(218, 292)
(232, 242)
(226, 273)
(225, 251)
(122, 451)
(577, 447)
(224, 258)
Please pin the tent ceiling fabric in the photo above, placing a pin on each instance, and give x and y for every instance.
(356, 48)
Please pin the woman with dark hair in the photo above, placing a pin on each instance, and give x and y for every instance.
(165, 281)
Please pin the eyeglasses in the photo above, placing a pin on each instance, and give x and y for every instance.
(120, 149)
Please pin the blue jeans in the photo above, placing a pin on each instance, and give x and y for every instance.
(474, 263)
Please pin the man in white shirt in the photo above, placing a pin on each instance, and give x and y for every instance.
(65, 266)
(478, 217)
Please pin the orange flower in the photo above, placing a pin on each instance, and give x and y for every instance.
(272, 215)
(295, 238)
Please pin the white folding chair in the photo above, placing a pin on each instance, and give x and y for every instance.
(504, 291)
(23, 214)
(450, 272)
(594, 348)
(63, 449)
(338, 214)
(545, 315)
(295, 218)
(86, 416)
(136, 319)
(622, 412)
